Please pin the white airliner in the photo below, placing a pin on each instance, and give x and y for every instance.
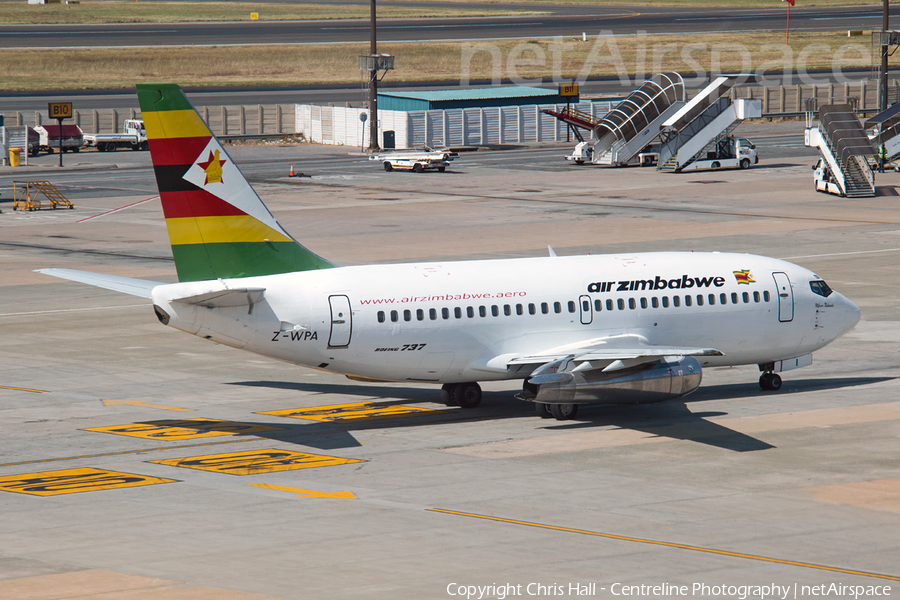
(602, 329)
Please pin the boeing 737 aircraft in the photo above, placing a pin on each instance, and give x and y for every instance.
(582, 329)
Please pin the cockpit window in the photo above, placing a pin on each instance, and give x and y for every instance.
(821, 288)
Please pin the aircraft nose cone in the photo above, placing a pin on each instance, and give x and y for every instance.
(850, 313)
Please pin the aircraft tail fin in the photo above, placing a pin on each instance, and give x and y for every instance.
(218, 226)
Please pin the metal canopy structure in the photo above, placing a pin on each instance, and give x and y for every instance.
(641, 107)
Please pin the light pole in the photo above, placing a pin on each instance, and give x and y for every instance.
(373, 88)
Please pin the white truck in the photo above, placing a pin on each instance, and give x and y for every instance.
(729, 153)
(416, 161)
(134, 137)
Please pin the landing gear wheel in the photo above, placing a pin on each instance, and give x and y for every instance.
(563, 412)
(467, 395)
(447, 394)
(418, 168)
(770, 382)
(745, 163)
(542, 410)
(388, 167)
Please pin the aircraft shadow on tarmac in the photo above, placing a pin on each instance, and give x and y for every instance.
(671, 419)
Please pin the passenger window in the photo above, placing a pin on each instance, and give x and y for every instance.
(482, 311)
(756, 296)
(745, 297)
(381, 316)
(470, 312)
(557, 307)
(632, 304)
(687, 300)
(598, 305)
(734, 298)
(585, 306)
(520, 310)
(420, 314)
(712, 299)
(432, 314)
(665, 301)
(394, 316)
(643, 303)
(532, 309)
(620, 303)
(766, 296)
(495, 310)
(699, 299)
(654, 302)
(573, 307)
(545, 308)
(407, 316)
(457, 312)
(609, 305)
(445, 313)
(723, 299)
(507, 309)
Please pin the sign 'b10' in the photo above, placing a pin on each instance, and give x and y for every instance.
(59, 110)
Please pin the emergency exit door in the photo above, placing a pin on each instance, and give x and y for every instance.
(341, 322)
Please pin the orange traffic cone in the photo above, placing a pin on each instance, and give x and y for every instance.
(292, 169)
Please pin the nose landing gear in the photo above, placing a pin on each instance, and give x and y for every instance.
(770, 382)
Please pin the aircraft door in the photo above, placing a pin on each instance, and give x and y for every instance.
(587, 312)
(341, 322)
(785, 297)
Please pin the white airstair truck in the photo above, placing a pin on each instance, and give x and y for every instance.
(844, 168)
(699, 136)
(626, 131)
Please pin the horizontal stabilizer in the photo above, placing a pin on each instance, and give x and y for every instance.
(225, 298)
(126, 285)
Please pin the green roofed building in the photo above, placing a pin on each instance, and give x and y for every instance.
(413, 100)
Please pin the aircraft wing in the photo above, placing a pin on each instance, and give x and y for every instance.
(126, 285)
(607, 354)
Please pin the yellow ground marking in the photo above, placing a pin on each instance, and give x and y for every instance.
(6, 387)
(624, 538)
(252, 462)
(358, 412)
(182, 429)
(878, 494)
(306, 493)
(145, 404)
(71, 481)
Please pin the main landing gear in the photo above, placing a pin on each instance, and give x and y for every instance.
(465, 395)
(770, 382)
(560, 412)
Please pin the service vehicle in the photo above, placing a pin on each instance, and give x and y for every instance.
(417, 161)
(49, 142)
(134, 137)
(728, 153)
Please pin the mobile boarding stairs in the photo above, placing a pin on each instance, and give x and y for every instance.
(625, 131)
(698, 136)
(844, 168)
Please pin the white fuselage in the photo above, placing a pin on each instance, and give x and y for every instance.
(460, 321)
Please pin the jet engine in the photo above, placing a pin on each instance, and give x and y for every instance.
(561, 382)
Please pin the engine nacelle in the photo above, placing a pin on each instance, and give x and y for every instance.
(656, 381)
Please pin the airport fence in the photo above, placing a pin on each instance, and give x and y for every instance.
(510, 125)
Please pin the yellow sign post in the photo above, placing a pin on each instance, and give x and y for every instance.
(60, 111)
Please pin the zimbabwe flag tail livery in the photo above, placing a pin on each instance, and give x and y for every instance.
(218, 227)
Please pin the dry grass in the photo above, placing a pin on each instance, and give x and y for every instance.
(769, 4)
(310, 64)
(114, 11)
